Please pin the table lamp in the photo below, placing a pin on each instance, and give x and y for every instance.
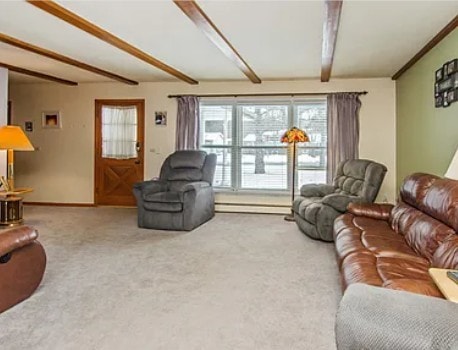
(293, 136)
(12, 138)
(452, 171)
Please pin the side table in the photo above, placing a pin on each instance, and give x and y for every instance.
(445, 284)
(11, 207)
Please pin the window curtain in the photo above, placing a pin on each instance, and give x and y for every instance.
(119, 132)
(187, 131)
(343, 130)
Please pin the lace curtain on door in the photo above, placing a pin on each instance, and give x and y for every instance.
(119, 132)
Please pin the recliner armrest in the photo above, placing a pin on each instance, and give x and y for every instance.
(194, 186)
(316, 190)
(16, 238)
(340, 202)
(371, 210)
(151, 186)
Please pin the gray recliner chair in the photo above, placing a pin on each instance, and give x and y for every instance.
(183, 197)
(357, 180)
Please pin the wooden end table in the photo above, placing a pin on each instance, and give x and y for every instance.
(445, 284)
(11, 206)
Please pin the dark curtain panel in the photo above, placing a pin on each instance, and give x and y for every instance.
(343, 130)
(187, 131)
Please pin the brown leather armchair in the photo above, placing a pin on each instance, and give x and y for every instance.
(22, 265)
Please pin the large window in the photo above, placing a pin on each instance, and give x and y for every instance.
(245, 135)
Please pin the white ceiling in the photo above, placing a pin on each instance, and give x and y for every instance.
(278, 39)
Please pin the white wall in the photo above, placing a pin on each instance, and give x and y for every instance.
(3, 112)
(62, 170)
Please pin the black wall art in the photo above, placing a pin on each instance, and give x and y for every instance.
(446, 84)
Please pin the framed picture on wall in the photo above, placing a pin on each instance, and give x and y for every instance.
(452, 66)
(160, 118)
(51, 120)
(28, 126)
(439, 74)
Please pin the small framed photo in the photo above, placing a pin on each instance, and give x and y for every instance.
(452, 96)
(51, 120)
(438, 101)
(28, 126)
(445, 102)
(160, 118)
(439, 74)
(452, 66)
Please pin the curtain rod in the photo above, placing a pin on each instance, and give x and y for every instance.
(292, 94)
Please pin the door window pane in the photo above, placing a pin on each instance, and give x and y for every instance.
(119, 132)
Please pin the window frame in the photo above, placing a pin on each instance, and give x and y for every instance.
(236, 145)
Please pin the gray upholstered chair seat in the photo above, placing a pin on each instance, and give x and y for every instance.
(319, 205)
(183, 197)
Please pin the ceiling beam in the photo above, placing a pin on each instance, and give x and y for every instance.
(90, 28)
(433, 42)
(37, 74)
(61, 58)
(204, 23)
(330, 30)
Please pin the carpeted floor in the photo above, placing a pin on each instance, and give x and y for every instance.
(241, 281)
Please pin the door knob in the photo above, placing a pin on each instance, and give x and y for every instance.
(137, 146)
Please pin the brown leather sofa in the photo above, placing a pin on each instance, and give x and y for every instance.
(394, 246)
(22, 265)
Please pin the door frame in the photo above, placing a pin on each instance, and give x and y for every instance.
(98, 103)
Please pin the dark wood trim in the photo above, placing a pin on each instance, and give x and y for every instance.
(204, 23)
(54, 204)
(452, 25)
(37, 74)
(289, 94)
(330, 31)
(9, 113)
(90, 28)
(61, 58)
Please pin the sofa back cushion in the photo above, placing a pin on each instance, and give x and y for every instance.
(427, 214)
(359, 177)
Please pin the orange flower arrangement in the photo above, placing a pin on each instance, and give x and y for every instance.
(294, 135)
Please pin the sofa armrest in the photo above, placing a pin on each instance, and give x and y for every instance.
(379, 319)
(316, 190)
(340, 202)
(371, 210)
(16, 238)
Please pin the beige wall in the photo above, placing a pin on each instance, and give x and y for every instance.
(62, 170)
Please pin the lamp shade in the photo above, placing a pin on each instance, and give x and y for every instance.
(12, 137)
(452, 171)
(294, 135)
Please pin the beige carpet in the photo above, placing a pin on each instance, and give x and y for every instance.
(241, 281)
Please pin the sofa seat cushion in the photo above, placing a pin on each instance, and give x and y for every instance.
(359, 234)
(392, 268)
(163, 197)
(360, 267)
(392, 273)
(415, 286)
